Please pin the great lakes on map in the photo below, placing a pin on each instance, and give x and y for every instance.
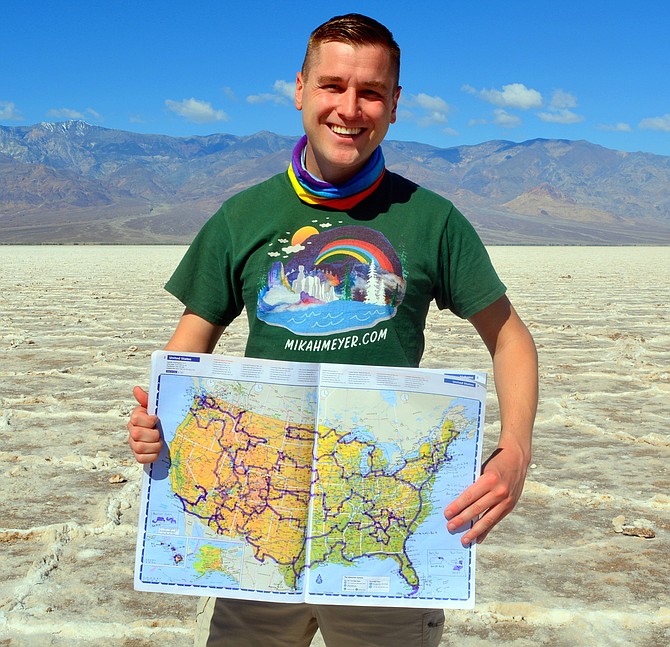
(304, 482)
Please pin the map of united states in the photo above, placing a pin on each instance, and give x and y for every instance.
(247, 459)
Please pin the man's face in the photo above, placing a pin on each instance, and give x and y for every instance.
(348, 99)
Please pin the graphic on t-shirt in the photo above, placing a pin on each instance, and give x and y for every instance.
(332, 281)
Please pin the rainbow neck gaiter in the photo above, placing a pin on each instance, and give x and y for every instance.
(340, 196)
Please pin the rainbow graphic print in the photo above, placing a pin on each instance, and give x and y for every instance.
(333, 281)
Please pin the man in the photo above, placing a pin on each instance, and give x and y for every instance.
(368, 252)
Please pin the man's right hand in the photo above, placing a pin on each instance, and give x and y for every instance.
(192, 335)
(144, 438)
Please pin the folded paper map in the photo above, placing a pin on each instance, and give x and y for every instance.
(325, 483)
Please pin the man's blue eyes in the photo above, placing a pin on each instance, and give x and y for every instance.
(366, 93)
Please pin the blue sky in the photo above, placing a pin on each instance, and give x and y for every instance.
(471, 71)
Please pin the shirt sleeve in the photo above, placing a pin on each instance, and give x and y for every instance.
(469, 280)
(205, 280)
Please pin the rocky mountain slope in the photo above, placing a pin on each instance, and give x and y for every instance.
(71, 182)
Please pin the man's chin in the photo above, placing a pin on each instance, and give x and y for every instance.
(344, 169)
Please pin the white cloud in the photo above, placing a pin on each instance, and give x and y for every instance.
(287, 88)
(501, 118)
(616, 128)
(561, 100)
(436, 109)
(265, 97)
(504, 119)
(65, 113)
(563, 116)
(427, 102)
(230, 93)
(199, 112)
(292, 249)
(559, 109)
(657, 123)
(432, 119)
(512, 95)
(8, 111)
(70, 113)
(283, 94)
(95, 114)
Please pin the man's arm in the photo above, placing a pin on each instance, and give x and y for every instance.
(192, 335)
(495, 493)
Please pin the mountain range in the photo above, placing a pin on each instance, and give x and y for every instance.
(71, 182)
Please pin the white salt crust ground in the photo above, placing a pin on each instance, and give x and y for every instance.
(77, 327)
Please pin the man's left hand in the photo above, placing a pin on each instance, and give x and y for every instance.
(492, 497)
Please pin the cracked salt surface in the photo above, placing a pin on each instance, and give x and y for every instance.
(77, 327)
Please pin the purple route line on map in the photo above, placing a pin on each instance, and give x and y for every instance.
(249, 489)
(232, 462)
(376, 529)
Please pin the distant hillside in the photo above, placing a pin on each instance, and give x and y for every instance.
(71, 182)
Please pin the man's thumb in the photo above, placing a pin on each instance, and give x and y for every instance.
(141, 396)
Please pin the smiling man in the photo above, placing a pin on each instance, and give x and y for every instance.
(348, 95)
(338, 260)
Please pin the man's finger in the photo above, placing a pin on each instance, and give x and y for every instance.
(479, 490)
(141, 396)
(472, 512)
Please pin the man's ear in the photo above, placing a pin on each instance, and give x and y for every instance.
(394, 108)
(298, 90)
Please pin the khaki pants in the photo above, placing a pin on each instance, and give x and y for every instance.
(241, 623)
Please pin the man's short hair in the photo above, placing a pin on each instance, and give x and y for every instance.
(356, 30)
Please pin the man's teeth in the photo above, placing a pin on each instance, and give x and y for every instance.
(341, 130)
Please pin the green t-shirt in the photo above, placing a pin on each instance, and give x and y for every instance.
(321, 285)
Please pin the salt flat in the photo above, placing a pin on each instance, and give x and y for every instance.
(78, 325)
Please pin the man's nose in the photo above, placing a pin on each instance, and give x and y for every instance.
(349, 105)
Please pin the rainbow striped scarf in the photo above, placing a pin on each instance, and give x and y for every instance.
(340, 196)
